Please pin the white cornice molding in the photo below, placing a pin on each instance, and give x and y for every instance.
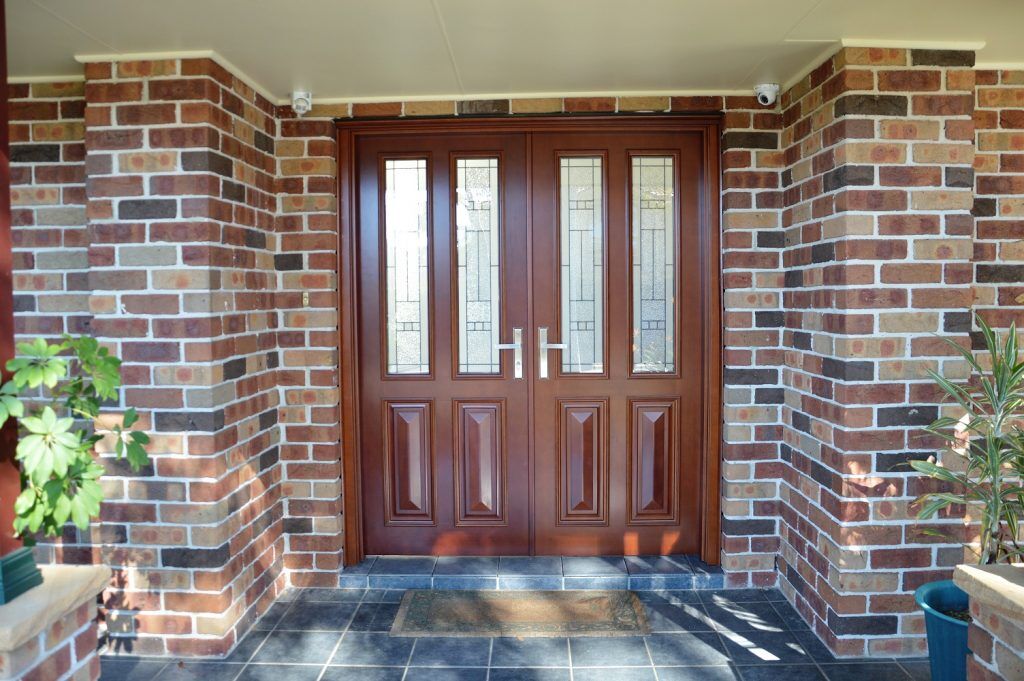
(967, 45)
(28, 80)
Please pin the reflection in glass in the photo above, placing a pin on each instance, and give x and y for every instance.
(654, 271)
(406, 240)
(477, 237)
(582, 264)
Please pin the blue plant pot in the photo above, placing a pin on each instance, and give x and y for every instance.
(947, 636)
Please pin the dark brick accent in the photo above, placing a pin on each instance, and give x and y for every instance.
(899, 462)
(264, 142)
(268, 419)
(232, 191)
(871, 105)
(984, 208)
(234, 368)
(35, 153)
(196, 558)
(957, 322)
(1000, 274)
(255, 238)
(478, 107)
(24, 303)
(751, 376)
(180, 421)
(269, 458)
(959, 177)
(772, 239)
(298, 525)
(147, 209)
(868, 625)
(907, 416)
(825, 252)
(746, 526)
(769, 319)
(121, 469)
(847, 371)
(942, 58)
(273, 359)
(206, 160)
(801, 421)
(750, 140)
(845, 176)
(801, 340)
(794, 278)
(288, 261)
(769, 396)
(113, 534)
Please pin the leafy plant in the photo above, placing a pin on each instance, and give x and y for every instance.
(990, 443)
(59, 476)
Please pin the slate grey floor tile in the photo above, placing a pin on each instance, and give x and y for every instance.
(599, 651)
(528, 674)
(472, 565)
(378, 649)
(689, 648)
(318, 617)
(374, 617)
(684, 617)
(280, 672)
(670, 597)
(530, 652)
(297, 646)
(614, 674)
(764, 647)
(451, 652)
(330, 595)
(859, 671)
(759, 615)
(360, 568)
(790, 617)
(383, 595)
(810, 642)
(593, 566)
(720, 672)
(789, 672)
(732, 595)
(363, 674)
(606, 582)
(204, 671)
(112, 669)
(656, 565)
(774, 595)
(271, 617)
(516, 566)
(919, 670)
(246, 647)
(536, 582)
(446, 674)
(403, 565)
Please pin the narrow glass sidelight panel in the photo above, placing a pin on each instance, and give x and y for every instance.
(478, 239)
(407, 243)
(654, 264)
(581, 216)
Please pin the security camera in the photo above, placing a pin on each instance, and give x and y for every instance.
(766, 93)
(302, 102)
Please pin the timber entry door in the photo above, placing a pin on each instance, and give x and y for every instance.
(537, 340)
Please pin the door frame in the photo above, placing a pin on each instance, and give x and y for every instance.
(348, 134)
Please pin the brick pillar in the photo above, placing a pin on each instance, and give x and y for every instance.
(878, 195)
(181, 209)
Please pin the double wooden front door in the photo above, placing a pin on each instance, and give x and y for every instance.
(532, 355)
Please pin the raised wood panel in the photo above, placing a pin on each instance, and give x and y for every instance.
(583, 462)
(409, 463)
(480, 465)
(654, 461)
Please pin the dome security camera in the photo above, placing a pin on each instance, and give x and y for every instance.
(766, 93)
(302, 102)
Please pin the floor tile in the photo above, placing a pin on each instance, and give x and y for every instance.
(279, 672)
(622, 651)
(759, 615)
(246, 647)
(663, 617)
(465, 582)
(297, 646)
(373, 649)
(699, 648)
(818, 651)
(541, 583)
(330, 595)
(732, 596)
(383, 595)
(451, 652)
(661, 582)
(919, 670)
(614, 674)
(764, 647)
(516, 566)
(656, 565)
(774, 595)
(591, 566)
(474, 565)
(318, 617)
(374, 617)
(858, 671)
(446, 674)
(129, 670)
(702, 673)
(271, 617)
(204, 671)
(606, 582)
(362, 674)
(790, 617)
(699, 566)
(403, 565)
(360, 568)
(530, 652)
(669, 597)
(399, 581)
(789, 672)
(528, 674)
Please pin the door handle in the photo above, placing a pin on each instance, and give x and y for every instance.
(542, 347)
(517, 351)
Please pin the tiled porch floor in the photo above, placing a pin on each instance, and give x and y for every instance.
(708, 635)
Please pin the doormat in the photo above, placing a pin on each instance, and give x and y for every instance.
(520, 613)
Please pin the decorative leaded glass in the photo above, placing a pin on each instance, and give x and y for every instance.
(654, 270)
(478, 240)
(582, 264)
(406, 242)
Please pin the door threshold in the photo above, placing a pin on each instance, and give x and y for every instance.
(549, 573)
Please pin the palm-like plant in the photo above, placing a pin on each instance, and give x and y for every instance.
(989, 440)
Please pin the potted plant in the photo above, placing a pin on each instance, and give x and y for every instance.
(56, 398)
(987, 440)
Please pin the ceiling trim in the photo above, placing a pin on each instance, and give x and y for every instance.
(826, 53)
(967, 45)
(22, 80)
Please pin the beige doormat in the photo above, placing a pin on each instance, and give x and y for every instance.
(520, 613)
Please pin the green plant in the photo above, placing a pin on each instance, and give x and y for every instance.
(990, 443)
(59, 476)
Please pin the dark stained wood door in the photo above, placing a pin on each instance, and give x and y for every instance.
(616, 271)
(444, 417)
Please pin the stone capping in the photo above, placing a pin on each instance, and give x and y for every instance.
(1000, 587)
(64, 589)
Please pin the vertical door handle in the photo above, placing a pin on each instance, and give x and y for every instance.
(542, 347)
(517, 351)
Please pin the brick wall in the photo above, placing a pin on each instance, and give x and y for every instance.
(996, 640)
(63, 651)
(877, 259)
(999, 197)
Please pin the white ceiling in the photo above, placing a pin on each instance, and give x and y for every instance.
(383, 49)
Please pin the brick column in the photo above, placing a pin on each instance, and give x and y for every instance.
(181, 207)
(878, 234)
